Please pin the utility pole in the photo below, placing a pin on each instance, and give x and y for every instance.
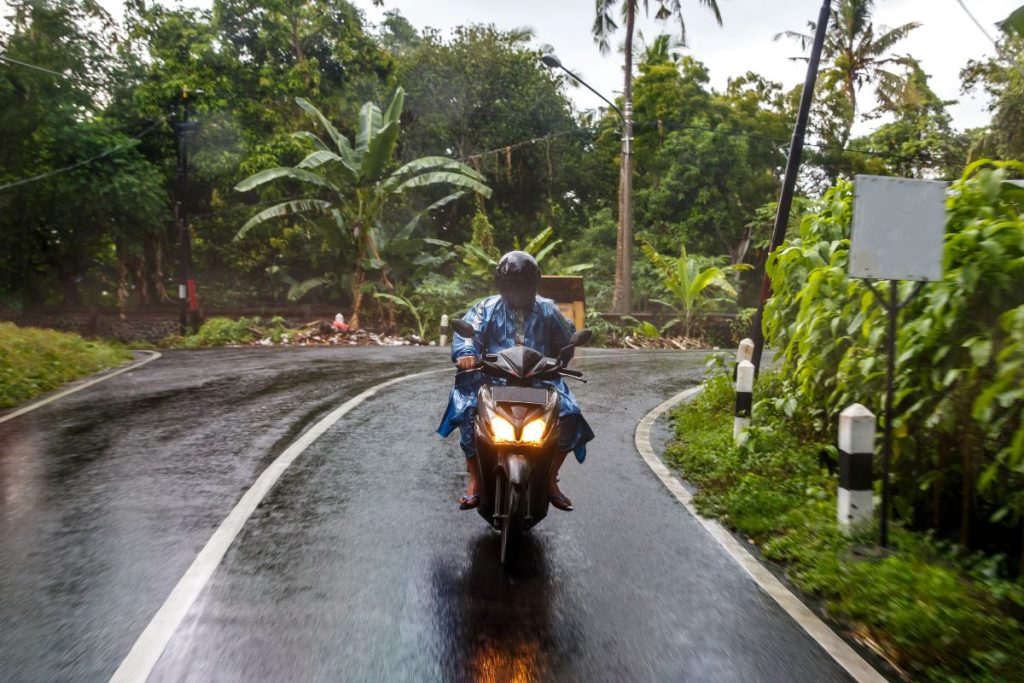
(188, 304)
(624, 266)
(796, 150)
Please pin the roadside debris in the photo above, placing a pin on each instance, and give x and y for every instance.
(638, 342)
(337, 333)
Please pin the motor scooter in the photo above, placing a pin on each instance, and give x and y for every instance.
(517, 435)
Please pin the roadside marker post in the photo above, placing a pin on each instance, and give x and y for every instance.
(745, 351)
(744, 398)
(899, 226)
(855, 503)
(444, 331)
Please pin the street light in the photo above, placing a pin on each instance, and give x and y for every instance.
(622, 294)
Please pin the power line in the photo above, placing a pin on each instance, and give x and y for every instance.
(977, 23)
(651, 125)
(31, 66)
(41, 176)
(1017, 65)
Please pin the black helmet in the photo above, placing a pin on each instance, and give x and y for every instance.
(517, 277)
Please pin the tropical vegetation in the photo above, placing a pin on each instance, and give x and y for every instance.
(34, 361)
(352, 183)
(932, 610)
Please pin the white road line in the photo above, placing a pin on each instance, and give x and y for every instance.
(150, 645)
(84, 385)
(835, 646)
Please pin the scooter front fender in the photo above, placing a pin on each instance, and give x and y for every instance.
(518, 468)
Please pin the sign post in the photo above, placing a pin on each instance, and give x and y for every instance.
(898, 230)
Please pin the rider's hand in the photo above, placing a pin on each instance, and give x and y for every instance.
(466, 362)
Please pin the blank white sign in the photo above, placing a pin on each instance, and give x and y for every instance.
(898, 228)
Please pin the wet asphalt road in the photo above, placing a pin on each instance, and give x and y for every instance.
(358, 566)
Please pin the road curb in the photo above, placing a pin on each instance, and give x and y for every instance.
(840, 651)
(80, 384)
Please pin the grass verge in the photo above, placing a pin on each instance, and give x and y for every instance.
(34, 361)
(932, 614)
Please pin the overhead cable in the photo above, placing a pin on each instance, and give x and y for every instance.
(650, 125)
(41, 176)
(31, 66)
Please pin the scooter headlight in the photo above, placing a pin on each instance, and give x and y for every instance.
(533, 432)
(502, 430)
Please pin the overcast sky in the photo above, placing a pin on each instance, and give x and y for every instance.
(944, 43)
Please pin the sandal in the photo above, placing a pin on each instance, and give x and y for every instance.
(469, 502)
(561, 502)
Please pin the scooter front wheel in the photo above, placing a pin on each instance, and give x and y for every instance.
(512, 528)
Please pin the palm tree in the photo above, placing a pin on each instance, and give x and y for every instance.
(857, 57)
(604, 27)
(350, 185)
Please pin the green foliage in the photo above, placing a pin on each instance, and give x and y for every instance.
(936, 619)
(33, 361)
(958, 404)
(472, 94)
(690, 285)
(920, 142)
(352, 182)
(1001, 78)
(421, 325)
(1015, 22)
(230, 332)
(855, 55)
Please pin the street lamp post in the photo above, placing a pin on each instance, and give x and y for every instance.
(623, 295)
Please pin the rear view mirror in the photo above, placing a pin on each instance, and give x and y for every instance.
(463, 328)
(581, 338)
(577, 339)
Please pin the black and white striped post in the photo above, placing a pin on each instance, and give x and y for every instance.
(444, 331)
(744, 398)
(855, 504)
(745, 351)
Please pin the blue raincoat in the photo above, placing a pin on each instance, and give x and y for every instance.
(545, 330)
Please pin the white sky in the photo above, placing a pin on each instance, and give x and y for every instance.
(944, 43)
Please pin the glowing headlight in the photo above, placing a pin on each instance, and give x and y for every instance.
(533, 432)
(502, 430)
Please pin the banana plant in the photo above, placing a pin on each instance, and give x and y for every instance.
(690, 286)
(349, 184)
(540, 246)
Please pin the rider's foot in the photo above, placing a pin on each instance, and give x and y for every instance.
(471, 499)
(559, 499)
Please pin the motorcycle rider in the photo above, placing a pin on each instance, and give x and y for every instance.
(515, 315)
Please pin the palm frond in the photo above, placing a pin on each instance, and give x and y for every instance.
(301, 289)
(369, 124)
(411, 225)
(436, 177)
(290, 172)
(340, 141)
(288, 208)
(380, 151)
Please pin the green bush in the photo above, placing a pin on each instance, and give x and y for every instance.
(33, 361)
(935, 614)
(959, 451)
(226, 331)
